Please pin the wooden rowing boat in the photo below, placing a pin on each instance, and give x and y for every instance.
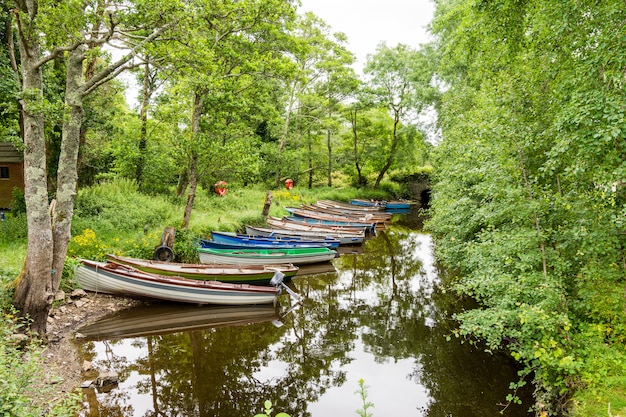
(377, 216)
(234, 274)
(301, 223)
(348, 206)
(333, 219)
(266, 242)
(117, 279)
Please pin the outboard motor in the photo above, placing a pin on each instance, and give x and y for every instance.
(277, 281)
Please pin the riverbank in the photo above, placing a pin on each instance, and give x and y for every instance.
(99, 229)
(64, 369)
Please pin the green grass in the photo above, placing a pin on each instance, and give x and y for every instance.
(604, 391)
(608, 399)
(12, 257)
(114, 217)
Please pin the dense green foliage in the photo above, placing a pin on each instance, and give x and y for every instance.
(273, 88)
(529, 200)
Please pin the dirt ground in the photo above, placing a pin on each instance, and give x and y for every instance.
(62, 365)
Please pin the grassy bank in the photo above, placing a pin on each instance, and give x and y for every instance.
(116, 218)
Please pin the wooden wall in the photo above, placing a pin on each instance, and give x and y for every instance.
(11, 173)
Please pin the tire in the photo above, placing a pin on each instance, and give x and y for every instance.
(164, 254)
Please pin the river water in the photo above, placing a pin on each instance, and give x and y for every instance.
(379, 315)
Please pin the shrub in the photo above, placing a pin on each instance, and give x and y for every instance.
(185, 247)
(13, 227)
(119, 206)
(18, 202)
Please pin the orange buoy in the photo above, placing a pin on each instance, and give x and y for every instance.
(221, 187)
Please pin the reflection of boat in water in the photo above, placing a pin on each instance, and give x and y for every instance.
(157, 319)
(321, 268)
(350, 250)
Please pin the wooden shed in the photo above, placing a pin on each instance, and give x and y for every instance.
(11, 173)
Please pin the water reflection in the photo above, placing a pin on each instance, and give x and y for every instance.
(378, 315)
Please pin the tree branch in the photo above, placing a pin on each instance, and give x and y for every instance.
(119, 66)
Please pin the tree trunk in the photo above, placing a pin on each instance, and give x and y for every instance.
(193, 169)
(355, 148)
(35, 292)
(67, 174)
(9, 44)
(268, 204)
(283, 139)
(392, 151)
(181, 186)
(143, 137)
(310, 145)
(330, 158)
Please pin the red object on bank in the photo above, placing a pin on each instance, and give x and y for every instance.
(289, 183)
(221, 187)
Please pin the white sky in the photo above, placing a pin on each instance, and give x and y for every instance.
(370, 22)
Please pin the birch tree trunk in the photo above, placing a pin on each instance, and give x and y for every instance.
(35, 290)
(143, 114)
(285, 134)
(68, 162)
(330, 157)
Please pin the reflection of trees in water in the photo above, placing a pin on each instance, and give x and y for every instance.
(383, 296)
(413, 321)
(322, 337)
(213, 372)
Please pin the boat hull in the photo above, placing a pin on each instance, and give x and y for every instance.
(300, 223)
(117, 279)
(334, 220)
(266, 257)
(239, 240)
(344, 239)
(234, 274)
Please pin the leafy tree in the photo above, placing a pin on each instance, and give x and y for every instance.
(337, 84)
(41, 40)
(529, 191)
(398, 79)
(368, 128)
(323, 79)
(228, 47)
(9, 80)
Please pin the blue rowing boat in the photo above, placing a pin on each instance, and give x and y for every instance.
(219, 239)
(308, 216)
(396, 207)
